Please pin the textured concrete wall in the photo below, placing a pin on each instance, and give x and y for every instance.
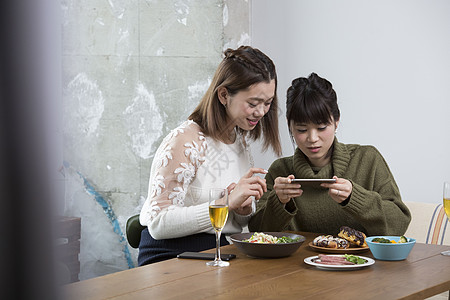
(132, 71)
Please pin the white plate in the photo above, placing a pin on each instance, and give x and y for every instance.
(312, 261)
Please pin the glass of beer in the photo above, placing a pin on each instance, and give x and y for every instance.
(218, 213)
(446, 208)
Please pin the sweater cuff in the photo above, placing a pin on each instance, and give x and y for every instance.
(358, 198)
(290, 206)
(282, 210)
(345, 202)
(242, 219)
(202, 213)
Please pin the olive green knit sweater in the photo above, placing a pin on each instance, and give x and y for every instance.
(374, 207)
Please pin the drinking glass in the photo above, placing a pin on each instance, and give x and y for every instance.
(446, 208)
(218, 213)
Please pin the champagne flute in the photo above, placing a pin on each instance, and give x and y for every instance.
(218, 213)
(446, 208)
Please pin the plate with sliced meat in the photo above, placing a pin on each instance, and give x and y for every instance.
(339, 262)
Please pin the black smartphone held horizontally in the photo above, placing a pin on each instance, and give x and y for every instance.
(205, 256)
(312, 182)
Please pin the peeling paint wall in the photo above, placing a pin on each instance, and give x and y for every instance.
(132, 71)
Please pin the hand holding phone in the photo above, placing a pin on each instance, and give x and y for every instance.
(341, 190)
(285, 189)
(312, 181)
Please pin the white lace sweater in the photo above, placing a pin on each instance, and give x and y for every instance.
(184, 165)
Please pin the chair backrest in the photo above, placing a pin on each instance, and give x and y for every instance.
(429, 223)
(134, 229)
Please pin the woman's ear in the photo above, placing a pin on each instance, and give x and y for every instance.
(222, 93)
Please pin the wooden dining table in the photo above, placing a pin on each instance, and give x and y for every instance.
(423, 274)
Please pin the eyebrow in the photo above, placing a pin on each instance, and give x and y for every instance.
(306, 124)
(261, 99)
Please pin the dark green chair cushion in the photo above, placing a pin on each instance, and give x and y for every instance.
(134, 229)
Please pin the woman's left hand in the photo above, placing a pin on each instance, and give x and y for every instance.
(340, 190)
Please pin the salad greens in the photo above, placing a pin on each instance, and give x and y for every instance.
(263, 238)
(286, 239)
(355, 259)
(381, 240)
(402, 239)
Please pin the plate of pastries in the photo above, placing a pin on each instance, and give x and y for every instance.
(349, 240)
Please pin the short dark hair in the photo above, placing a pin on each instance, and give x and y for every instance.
(311, 100)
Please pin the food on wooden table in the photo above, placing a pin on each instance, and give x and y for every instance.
(402, 239)
(340, 259)
(355, 259)
(329, 241)
(354, 236)
(347, 237)
(263, 238)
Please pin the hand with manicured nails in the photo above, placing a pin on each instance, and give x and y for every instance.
(249, 186)
(286, 190)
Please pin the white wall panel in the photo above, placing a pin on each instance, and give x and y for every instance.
(389, 62)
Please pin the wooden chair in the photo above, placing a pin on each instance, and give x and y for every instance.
(429, 225)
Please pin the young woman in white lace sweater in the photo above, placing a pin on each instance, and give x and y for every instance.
(211, 149)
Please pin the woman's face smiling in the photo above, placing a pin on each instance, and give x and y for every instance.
(246, 108)
(314, 140)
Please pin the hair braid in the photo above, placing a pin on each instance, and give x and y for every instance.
(253, 60)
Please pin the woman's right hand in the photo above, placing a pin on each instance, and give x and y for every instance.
(286, 190)
(247, 187)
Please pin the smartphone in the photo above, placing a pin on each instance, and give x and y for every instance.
(314, 182)
(205, 256)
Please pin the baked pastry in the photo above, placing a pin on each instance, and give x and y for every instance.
(354, 236)
(329, 241)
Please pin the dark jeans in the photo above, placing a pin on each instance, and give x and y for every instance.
(151, 250)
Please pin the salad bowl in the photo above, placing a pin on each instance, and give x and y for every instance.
(266, 250)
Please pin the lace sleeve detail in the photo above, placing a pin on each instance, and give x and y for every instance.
(174, 167)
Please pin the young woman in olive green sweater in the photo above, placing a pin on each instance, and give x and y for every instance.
(365, 195)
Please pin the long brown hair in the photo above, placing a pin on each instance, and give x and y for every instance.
(239, 69)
